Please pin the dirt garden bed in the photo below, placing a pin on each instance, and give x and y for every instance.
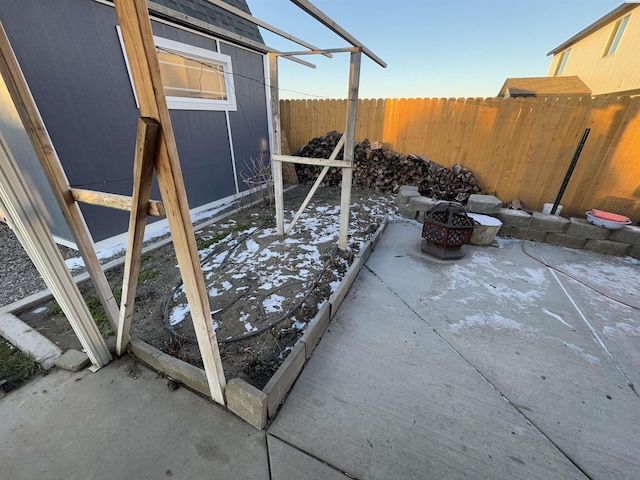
(263, 289)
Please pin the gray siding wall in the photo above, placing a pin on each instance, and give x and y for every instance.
(72, 59)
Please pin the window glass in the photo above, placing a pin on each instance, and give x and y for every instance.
(616, 35)
(190, 77)
(564, 56)
(193, 78)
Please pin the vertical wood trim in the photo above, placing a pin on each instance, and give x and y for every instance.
(143, 166)
(276, 145)
(349, 144)
(46, 153)
(135, 25)
(23, 208)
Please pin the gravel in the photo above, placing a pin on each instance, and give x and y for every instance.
(18, 277)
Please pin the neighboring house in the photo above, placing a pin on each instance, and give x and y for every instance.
(605, 55)
(543, 87)
(72, 57)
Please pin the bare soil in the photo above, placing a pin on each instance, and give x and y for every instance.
(264, 289)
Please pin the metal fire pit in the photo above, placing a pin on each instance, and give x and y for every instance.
(446, 228)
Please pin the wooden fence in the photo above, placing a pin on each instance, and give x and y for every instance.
(519, 148)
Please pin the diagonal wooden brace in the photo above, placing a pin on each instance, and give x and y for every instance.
(144, 164)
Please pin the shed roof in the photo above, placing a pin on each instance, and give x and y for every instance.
(608, 18)
(214, 15)
(535, 86)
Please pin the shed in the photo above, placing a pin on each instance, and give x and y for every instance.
(543, 86)
(213, 61)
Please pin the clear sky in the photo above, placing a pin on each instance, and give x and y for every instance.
(433, 48)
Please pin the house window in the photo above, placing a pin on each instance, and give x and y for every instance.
(194, 78)
(615, 36)
(562, 62)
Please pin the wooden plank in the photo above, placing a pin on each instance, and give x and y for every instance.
(323, 162)
(613, 118)
(135, 25)
(143, 166)
(349, 144)
(46, 153)
(325, 20)
(112, 200)
(276, 143)
(24, 210)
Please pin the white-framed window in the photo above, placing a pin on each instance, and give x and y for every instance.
(193, 78)
(615, 36)
(562, 62)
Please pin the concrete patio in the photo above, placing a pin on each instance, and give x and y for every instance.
(492, 366)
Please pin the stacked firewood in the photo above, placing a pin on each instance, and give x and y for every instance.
(386, 171)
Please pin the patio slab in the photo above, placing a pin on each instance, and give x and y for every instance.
(122, 422)
(480, 365)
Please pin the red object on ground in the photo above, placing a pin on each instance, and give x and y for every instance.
(612, 217)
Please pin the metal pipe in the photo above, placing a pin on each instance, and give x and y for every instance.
(572, 166)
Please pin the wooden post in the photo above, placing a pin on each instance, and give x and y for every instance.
(349, 134)
(143, 166)
(46, 153)
(23, 208)
(137, 36)
(276, 147)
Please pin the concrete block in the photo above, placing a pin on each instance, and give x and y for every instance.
(316, 328)
(248, 402)
(27, 340)
(336, 297)
(607, 246)
(629, 234)
(519, 233)
(421, 204)
(283, 379)
(634, 251)
(73, 360)
(565, 240)
(487, 204)
(549, 223)
(513, 218)
(579, 227)
(407, 212)
(405, 193)
(509, 231)
(192, 377)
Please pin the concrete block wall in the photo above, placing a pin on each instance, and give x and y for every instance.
(570, 232)
(538, 227)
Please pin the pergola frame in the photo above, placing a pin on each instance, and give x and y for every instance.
(155, 151)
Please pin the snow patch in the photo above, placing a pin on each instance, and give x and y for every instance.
(557, 317)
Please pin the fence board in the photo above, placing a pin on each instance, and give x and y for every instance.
(518, 148)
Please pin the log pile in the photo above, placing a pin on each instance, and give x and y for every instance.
(386, 171)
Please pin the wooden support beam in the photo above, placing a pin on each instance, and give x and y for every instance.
(276, 145)
(112, 200)
(24, 209)
(143, 166)
(46, 153)
(137, 36)
(322, 162)
(349, 135)
(207, 27)
(316, 13)
(240, 13)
